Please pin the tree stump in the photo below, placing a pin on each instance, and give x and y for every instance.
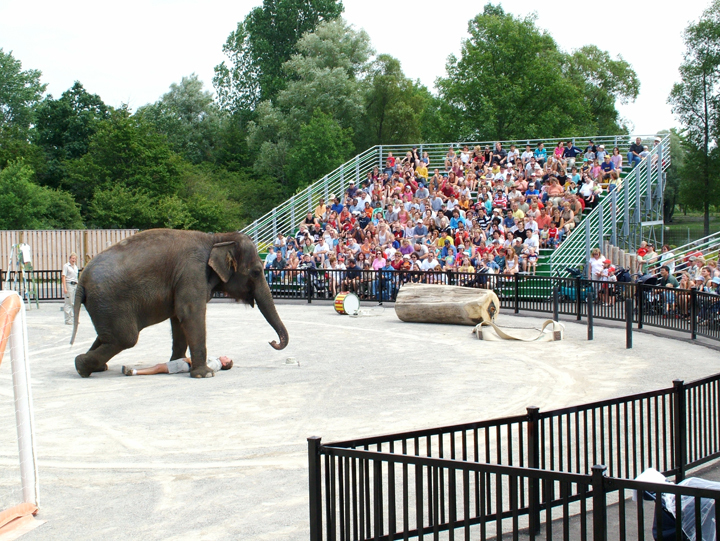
(455, 305)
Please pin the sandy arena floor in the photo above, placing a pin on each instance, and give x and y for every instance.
(170, 457)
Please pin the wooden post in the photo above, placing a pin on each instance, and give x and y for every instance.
(86, 248)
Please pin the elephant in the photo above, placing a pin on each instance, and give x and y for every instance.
(162, 274)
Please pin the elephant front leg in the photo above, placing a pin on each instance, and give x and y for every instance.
(95, 360)
(180, 344)
(194, 329)
(198, 355)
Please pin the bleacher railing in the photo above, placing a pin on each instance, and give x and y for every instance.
(709, 247)
(287, 216)
(617, 213)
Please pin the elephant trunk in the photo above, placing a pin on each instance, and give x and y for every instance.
(265, 303)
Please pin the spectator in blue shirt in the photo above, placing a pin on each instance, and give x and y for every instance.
(607, 165)
(447, 250)
(541, 154)
(508, 221)
(570, 153)
(337, 206)
(457, 219)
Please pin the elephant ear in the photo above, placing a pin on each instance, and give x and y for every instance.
(222, 259)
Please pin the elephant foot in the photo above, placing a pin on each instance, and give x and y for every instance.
(201, 372)
(81, 365)
(85, 366)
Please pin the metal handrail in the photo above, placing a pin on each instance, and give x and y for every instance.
(625, 200)
(288, 215)
(709, 246)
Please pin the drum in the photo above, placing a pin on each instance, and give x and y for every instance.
(347, 303)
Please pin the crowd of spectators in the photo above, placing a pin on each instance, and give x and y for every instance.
(681, 275)
(483, 210)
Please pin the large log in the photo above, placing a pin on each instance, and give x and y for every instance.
(425, 303)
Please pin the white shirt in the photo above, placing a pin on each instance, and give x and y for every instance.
(429, 264)
(668, 258)
(214, 364)
(26, 253)
(533, 242)
(321, 248)
(596, 267)
(70, 272)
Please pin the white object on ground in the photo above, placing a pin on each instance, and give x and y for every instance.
(489, 330)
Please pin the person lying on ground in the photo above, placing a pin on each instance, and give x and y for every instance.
(179, 365)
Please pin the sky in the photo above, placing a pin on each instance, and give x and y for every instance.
(131, 51)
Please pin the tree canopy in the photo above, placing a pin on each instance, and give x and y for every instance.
(513, 82)
(261, 44)
(696, 102)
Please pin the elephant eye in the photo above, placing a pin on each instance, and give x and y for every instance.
(255, 273)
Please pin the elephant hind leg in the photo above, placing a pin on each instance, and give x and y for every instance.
(96, 359)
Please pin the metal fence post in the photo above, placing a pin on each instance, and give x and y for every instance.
(578, 299)
(693, 314)
(613, 217)
(379, 276)
(556, 304)
(680, 451)
(308, 286)
(588, 245)
(517, 294)
(533, 431)
(599, 504)
(589, 317)
(640, 304)
(628, 323)
(314, 472)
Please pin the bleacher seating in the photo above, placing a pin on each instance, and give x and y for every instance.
(467, 209)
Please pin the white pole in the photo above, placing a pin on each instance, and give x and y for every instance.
(23, 408)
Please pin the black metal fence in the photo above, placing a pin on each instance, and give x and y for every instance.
(568, 470)
(512, 475)
(688, 311)
(46, 285)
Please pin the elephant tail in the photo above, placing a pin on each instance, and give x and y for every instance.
(79, 300)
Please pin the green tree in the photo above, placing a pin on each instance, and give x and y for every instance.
(671, 193)
(695, 101)
(119, 207)
(321, 147)
(327, 75)
(125, 151)
(513, 82)
(189, 118)
(63, 130)
(20, 92)
(211, 198)
(394, 105)
(261, 44)
(26, 205)
(605, 82)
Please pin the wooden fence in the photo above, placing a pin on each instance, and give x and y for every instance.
(50, 249)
